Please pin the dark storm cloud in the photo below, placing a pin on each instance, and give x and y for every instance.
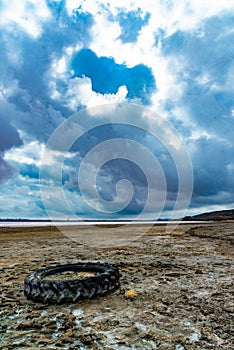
(6, 170)
(107, 76)
(117, 169)
(41, 113)
(24, 66)
(9, 137)
(213, 162)
(204, 62)
(206, 58)
(123, 168)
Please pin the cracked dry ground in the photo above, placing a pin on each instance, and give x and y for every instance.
(184, 281)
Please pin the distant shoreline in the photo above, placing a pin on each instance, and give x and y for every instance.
(221, 215)
(94, 223)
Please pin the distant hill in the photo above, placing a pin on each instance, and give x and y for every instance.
(212, 216)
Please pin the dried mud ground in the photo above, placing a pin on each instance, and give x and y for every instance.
(184, 281)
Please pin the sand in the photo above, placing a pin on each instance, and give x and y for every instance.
(183, 280)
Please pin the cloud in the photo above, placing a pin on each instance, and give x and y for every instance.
(58, 57)
(205, 70)
(29, 60)
(9, 138)
(27, 15)
(131, 23)
(6, 170)
(202, 66)
(108, 154)
(21, 199)
(32, 36)
(80, 93)
(212, 161)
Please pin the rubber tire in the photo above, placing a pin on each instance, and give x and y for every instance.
(38, 289)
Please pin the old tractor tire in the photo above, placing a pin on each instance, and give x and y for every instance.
(39, 289)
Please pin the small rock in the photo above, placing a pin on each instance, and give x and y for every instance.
(69, 333)
(45, 340)
(229, 307)
(24, 325)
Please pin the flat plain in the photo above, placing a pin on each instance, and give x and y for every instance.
(183, 279)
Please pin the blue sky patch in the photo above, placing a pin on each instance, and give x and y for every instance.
(107, 76)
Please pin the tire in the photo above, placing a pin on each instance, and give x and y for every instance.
(59, 291)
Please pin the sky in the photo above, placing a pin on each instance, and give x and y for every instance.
(120, 109)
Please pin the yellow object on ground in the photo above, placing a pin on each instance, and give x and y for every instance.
(131, 293)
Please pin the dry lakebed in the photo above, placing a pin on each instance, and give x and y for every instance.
(182, 282)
